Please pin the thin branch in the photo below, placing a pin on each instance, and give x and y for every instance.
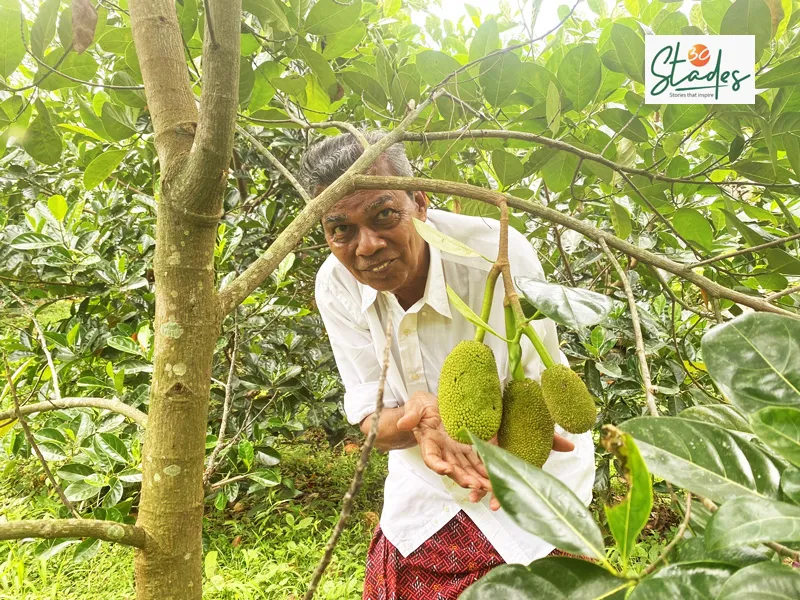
(226, 407)
(210, 23)
(637, 331)
(134, 414)
(362, 182)
(276, 163)
(786, 292)
(355, 484)
(32, 442)
(50, 529)
(241, 287)
(764, 246)
(687, 515)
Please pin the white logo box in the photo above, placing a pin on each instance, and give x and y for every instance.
(699, 69)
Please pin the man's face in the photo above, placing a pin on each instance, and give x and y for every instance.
(372, 234)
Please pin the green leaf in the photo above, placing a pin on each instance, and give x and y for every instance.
(112, 447)
(743, 521)
(327, 16)
(689, 581)
(623, 122)
(499, 76)
(32, 241)
(116, 40)
(44, 28)
(75, 492)
(58, 206)
(621, 220)
(507, 167)
(246, 453)
(552, 108)
(434, 66)
(469, 314)
(116, 122)
(41, 141)
(713, 11)
(124, 344)
(540, 503)
(319, 66)
(779, 428)
(551, 578)
(86, 550)
(265, 478)
(79, 66)
(678, 117)
(627, 519)
(187, 18)
(101, 168)
(723, 415)
(344, 41)
(559, 171)
(782, 75)
(754, 360)
(444, 242)
(269, 11)
(792, 144)
(762, 581)
(790, 484)
(630, 51)
(12, 50)
(580, 75)
(694, 227)
(575, 308)
(749, 17)
(486, 40)
(705, 459)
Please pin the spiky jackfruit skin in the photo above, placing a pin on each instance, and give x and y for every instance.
(470, 395)
(527, 427)
(568, 400)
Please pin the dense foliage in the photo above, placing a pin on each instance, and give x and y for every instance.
(79, 191)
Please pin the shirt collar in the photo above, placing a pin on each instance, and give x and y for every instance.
(435, 294)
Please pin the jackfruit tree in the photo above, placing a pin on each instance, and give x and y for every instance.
(157, 262)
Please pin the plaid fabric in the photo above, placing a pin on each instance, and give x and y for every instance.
(449, 562)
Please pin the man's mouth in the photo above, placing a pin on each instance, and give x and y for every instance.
(380, 266)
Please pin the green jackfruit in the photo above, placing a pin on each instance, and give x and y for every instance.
(470, 395)
(527, 427)
(568, 400)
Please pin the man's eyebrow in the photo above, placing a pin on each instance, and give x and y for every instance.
(379, 202)
(335, 218)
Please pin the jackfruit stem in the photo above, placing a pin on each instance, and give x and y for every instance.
(539, 345)
(514, 349)
(488, 297)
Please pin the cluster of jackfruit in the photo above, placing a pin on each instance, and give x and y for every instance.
(522, 416)
(470, 396)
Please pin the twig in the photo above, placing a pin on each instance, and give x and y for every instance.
(32, 442)
(776, 547)
(134, 414)
(637, 330)
(210, 24)
(687, 515)
(728, 255)
(564, 257)
(674, 297)
(49, 529)
(786, 292)
(355, 484)
(226, 407)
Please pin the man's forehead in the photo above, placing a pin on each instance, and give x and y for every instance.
(362, 201)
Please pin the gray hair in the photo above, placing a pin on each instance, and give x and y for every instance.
(326, 160)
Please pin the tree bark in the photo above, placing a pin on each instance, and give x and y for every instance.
(193, 160)
(50, 529)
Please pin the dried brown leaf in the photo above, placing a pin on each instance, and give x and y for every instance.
(84, 21)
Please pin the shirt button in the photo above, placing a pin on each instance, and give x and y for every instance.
(424, 313)
(406, 331)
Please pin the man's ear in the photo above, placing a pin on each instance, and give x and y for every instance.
(422, 201)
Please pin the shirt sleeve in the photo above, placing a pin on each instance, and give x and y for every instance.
(523, 260)
(353, 349)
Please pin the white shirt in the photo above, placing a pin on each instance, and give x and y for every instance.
(417, 501)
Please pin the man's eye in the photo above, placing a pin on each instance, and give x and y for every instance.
(340, 229)
(385, 213)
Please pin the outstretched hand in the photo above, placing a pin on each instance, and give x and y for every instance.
(444, 455)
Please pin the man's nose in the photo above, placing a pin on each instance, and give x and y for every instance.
(369, 242)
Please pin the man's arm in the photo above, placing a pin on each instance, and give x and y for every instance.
(389, 436)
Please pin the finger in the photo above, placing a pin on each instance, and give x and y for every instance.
(477, 495)
(409, 420)
(561, 444)
(457, 473)
(432, 456)
(478, 465)
(494, 503)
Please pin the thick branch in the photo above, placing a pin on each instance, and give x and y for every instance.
(363, 182)
(213, 144)
(584, 154)
(241, 287)
(134, 414)
(108, 531)
(637, 330)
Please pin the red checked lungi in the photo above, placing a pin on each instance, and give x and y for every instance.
(449, 562)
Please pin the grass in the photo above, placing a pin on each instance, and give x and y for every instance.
(265, 548)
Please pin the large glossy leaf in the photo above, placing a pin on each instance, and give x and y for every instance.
(559, 171)
(540, 503)
(328, 17)
(744, 521)
(705, 459)
(12, 49)
(678, 117)
(624, 122)
(749, 17)
(41, 141)
(693, 226)
(553, 578)
(779, 428)
(755, 360)
(469, 314)
(762, 581)
(572, 307)
(486, 40)
(724, 415)
(499, 77)
(444, 242)
(101, 168)
(784, 74)
(790, 485)
(580, 75)
(630, 51)
(627, 518)
(687, 581)
(507, 167)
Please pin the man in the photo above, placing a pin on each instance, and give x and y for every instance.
(438, 532)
